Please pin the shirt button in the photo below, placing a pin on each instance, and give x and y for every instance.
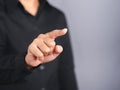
(43, 89)
(42, 67)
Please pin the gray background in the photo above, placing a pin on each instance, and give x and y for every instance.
(95, 33)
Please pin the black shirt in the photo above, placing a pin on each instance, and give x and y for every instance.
(17, 30)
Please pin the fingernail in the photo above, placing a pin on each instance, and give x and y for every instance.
(65, 29)
(60, 49)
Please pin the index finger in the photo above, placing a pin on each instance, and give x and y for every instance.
(56, 33)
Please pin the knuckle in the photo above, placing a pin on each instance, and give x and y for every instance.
(30, 46)
(41, 36)
(53, 43)
(41, 55)
(47, 50)
(36, 40)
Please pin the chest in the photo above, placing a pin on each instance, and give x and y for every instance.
(22, 29)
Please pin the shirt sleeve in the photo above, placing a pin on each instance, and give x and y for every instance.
(66, 65)
(12, 66)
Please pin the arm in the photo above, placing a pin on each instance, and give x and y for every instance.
(12, 66)
(66, 65)
(66, 70)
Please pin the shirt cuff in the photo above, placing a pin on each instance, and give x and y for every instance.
(21, 65)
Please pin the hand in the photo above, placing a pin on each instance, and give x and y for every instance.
(43, 49)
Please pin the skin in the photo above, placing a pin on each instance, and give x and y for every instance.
(31, 6)
(43, 49)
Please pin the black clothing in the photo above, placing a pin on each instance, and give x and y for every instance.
(17, 30)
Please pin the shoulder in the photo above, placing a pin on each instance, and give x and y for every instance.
(54, 10)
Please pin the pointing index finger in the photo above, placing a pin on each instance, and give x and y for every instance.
(56, 33)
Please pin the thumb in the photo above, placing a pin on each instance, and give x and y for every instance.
(58, 49)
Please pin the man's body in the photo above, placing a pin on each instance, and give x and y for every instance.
(30, 57)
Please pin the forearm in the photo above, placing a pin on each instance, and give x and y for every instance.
(67, 67)
(12, 68)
